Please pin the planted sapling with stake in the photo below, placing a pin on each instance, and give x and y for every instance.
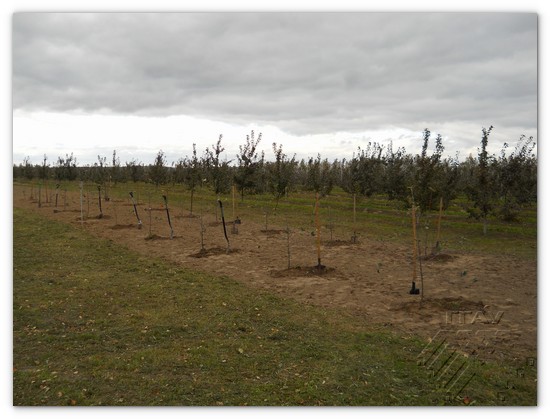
(99, 201)
(354, 237)
(87, 204)
(203, 230)
(421, 276)
(56, 193)
(224, 229)
(168, 216)
(288, 244)
(437, 248)
(135, 210)
(414, 290)
(150, 216)
(81, 212)
(319, 267)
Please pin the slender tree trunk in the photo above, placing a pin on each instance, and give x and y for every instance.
(202, 231)
(415, 243)
(113, 203)
(354, 237)
(233, 200)
(150, 217)
(318, 227)
(81, 211)
(288, 244)
(437, 242)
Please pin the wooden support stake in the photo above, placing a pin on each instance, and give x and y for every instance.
(150, 217)
(182, 203)
(354, 211)
(233, 201)
(415, 244)
(318, 227)
(87, 205)
(331, 226)
(81, 212)
(288, 244)
(113, 204)
(421, 277)
(202, 233)
(354, 237)
(437, 244)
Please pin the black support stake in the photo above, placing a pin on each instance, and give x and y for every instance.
(135, 210)
(224, 229)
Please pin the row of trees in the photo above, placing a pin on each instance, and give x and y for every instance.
(493, 184)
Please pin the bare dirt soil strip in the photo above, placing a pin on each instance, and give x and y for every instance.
(485, 304)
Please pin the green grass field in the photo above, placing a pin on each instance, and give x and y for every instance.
(97, 324)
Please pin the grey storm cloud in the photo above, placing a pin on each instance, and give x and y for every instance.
(306, 73)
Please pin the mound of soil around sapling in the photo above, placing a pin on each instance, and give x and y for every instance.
(441, 304)
(214, 251)
(301, 271)
(336, 243)
(272, 232)
(439, 257)
(123, 226)
(157, 237)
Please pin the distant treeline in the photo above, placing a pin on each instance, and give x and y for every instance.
(494, 184)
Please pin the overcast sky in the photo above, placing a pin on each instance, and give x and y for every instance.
(315, 82)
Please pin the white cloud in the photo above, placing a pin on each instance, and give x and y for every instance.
(141, 82)
(88, 136)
